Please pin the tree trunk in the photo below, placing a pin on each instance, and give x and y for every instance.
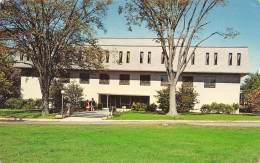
(45, 85)
(172, 100)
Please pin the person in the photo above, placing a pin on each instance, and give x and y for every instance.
(93, 104)
(87, 105)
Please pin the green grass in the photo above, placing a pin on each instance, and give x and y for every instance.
(18, 113)
(50, 143)
(190, 116)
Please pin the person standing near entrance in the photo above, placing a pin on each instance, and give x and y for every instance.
(93, 104)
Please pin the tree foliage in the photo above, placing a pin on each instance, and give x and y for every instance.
(74, 94)
(54, 35)
(9, 76)
(177, 24)
(254, 99)
(251, 83)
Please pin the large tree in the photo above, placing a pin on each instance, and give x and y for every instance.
(52, 34)
(177, 24)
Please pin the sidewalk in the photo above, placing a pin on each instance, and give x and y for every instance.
(100, 121)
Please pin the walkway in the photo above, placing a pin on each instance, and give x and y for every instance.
(87, 116)
(95, 121)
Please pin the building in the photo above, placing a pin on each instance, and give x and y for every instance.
(134, 71)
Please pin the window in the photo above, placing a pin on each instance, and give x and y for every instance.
(21, 57)
(64, 78)
(230, 59)
(103, 79)
(145, 80)
(207, 59)
(141, 57)
(193, 59)
(149, 58)
(187, 80)
(84, 78)
(120, 60)
(238, 59)
(27, 58)
(162, 59)
(164, 80)
(210, 82)
(107, 56)
(215, 58)
(128, 57)
(124, 79)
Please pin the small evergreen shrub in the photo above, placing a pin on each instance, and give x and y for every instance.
(219, 108)
(138, 107)
(151, 108)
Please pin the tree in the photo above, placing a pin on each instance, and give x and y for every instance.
(186, 98)
(251, 83)
(177, 24)
(9, 76)
(54, 34)
(254, 100)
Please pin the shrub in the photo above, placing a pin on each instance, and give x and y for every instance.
(55, 94)
(14, 103)
(74, 94)
(219, 108)
(151, 108)
(186, 98)
(205, 108)
(138, 107)
(163, 99)
(253, 99)
(32, 104)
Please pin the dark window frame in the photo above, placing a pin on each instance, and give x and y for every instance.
(84, 78)
(162, 59)
(120, 57)
(104, 79)
(141, 57)
(124, 79)
(239, 56)
(215, 58)
(149, 57)
(193, 59)
(164, 82)
(145, 80)
(230, 59)
(210, 83)
(107, 56)
(128, 57)
(207, 59)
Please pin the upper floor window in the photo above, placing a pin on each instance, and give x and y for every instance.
(27, 58)
(103, 79)
(21, 57)
(128, 57)
(230, 56)
(84, 78)
(210, 82)
(207, 59)
(145, 80)
(120, 60)
(215, 58)
(107, 56)
(187, 80)
(164, 80)
(149, 58)
(124, 79)
(162, 58)
(238, 59)
(193, 59)
(141, 57)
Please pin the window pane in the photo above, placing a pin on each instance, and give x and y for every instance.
(141, 57)
(162, 59)
(230, 59)
(84, 78)
(238, 59)
(187, 80)
(128, 57)
(124, 79)
(216, 59)
(207, 59)
(120, 57)
(164, 80)
(149, 58)
(103, 79)
(193, 59)
(210, 82)
(145, 80)
(107, 56)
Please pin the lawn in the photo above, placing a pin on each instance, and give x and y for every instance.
(51, 143)
(19, 113)
(190, 116)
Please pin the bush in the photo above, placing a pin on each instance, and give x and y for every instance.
(151, 108)
(219, 108)
(32, 104)
(138, 106)
(74, 94)
(55, 94)
(186, 98)
(163, 99)
(14, 103)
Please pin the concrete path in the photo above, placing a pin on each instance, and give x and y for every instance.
(95, 121)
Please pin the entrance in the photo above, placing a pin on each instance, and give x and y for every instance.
(120, 101)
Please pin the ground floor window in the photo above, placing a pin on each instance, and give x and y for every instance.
(124, 79)
(210, 82)
(145, 80)
(103, 79)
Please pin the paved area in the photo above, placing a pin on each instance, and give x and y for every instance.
(135, 122)
(87, 116)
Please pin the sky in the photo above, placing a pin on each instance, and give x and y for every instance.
(242, 15)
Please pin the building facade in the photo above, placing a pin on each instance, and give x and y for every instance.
(134, 71)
